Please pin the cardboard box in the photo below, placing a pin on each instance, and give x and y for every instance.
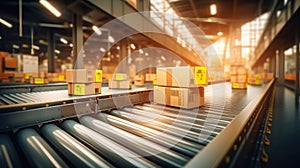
(18, 74)
(139, 80)
(98, 88)
(120, 77)
(242, 71)
(239, 85)
(11, 63)
(4, 54)
(43, 74)
(242, 78)
(179, 97)
(81, 89)
(149, 77)
(80, 76)
(122, 84)
(233, 78)
(182, 76)
(38, 80)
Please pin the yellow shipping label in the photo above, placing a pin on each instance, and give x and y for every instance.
(119, 76)
(98, 76)
(79, 89)
(235, 85)
(39, 80)
(27, 76)
(61, 77)
(200, 75)
(154, 79)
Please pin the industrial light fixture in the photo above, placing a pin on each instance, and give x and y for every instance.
(63, 40)
(141, 51)
(57, 51)
(146, 54)
(51, 8)
(213, 9)
(71, 45)
(118, 48)
(111, 39)
(220, 33)
(97, 30)
(102, 49)
(35, 47)
(4, 22)
(15, 46)
(132, 46)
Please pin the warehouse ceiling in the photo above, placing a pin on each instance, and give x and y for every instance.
(229, 12)
(37, 22)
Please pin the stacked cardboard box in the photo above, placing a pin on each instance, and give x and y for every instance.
(39, 78)
(180, 86)
(254, 79)
(239, 77)
(149, 77)
(139, 80)
(84, 82)
(120, 81)
(56, 77)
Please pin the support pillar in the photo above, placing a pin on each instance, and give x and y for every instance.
(281, 67)
(77, 36)
(297, 40)
(50, 51)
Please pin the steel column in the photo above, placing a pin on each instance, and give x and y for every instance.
(50, 51)
(281, 67)
(77, 41)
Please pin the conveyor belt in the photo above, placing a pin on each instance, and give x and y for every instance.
(147, 135)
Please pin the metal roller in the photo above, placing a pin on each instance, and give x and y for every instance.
(169, 141)
(187, 113)
(163, 127)
(154, 152)
(37, 151)
(183, 119)
(116, 154)
(77, 154)
(186, 121)
(8, 154)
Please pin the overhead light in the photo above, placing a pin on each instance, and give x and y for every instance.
(63, 40)
(220, 33)
(43, 42)
(111, 39)
(51, 8)
(118, 48)
(163, 58)
(213, 9)
(25, 46)
(5, 23)
(71, 45)
(35, 47)
(146, 54)
(141, 51)
(97, 30)
(0, 37)
(102, 49)
(15, 46)
(57, 51)
(132, 46)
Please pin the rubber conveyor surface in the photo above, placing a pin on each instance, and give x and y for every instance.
(147, 135)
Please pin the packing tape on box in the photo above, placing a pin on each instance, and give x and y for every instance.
(167, 93)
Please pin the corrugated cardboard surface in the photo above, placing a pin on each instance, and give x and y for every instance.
(242, 78)
(177, 77)
(119, 84)
(139, 83)
(179, 97)
(80, 76)
(149, 77)
(98, 88)
(10, 62)
(233, 78)
(81, 89)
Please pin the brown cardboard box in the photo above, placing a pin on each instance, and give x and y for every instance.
(239, 85)
(10, 62)
(233, 78)
(179, 97)
(80, 76)
(242, 78)
(81, 89)
(149, 77)
(139, 80)
(38, 80)
(98, 88)
(120, 77)
(43, 74)
(4, 54)
(124, 84)
(182, 76)
(241, 71)
(19, 74)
